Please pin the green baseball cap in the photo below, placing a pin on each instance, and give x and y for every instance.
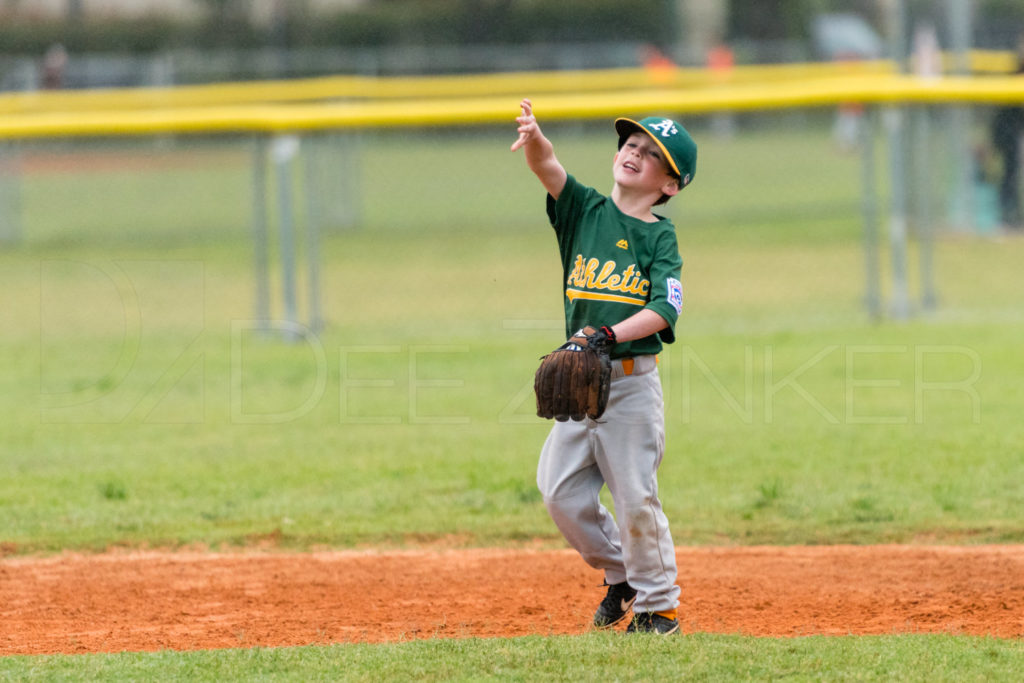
(679, 148)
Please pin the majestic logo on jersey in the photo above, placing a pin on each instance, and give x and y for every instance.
(622, 244)
(665, 127)
(591, 279)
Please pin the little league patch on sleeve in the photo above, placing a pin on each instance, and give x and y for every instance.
(675, 294)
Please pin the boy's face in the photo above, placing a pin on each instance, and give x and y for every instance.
(640, 164)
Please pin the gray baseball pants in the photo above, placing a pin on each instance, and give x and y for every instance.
(621, 450)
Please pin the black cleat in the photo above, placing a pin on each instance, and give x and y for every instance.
(615, 606)
(651, 622)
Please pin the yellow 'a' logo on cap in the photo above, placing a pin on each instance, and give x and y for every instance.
(622, 244)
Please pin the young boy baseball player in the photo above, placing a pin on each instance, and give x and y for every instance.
(621, 271)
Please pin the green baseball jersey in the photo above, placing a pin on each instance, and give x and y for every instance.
(615, 265)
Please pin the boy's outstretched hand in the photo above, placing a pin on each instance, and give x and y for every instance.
(527, 125)
(538, 152)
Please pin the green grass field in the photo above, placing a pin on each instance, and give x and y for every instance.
(143, 408)
(599, 656)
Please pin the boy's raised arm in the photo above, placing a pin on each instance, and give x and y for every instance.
(540, 154)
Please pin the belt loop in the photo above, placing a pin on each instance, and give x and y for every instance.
(627, 366)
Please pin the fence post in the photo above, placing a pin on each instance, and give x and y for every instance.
(283, 151)
(927, 67)
(962, 206)
(895, 126)
(869, 209)
(314, 219)
(259, 232)
(923, 212)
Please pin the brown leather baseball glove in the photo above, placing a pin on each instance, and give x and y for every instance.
(572, 381)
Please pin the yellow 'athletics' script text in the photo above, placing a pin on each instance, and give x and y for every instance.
(591, 274)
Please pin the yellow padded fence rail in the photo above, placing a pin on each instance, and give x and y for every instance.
(280, 118)
(420, 87)
(483, 85)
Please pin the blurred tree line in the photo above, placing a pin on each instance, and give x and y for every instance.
(382, 23)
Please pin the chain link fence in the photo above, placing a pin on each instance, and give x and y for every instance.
(790, 211)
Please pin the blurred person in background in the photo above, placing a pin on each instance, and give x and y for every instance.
(1007, 127)
(54, 62)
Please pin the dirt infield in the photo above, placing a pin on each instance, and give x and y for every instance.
(182, 600)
